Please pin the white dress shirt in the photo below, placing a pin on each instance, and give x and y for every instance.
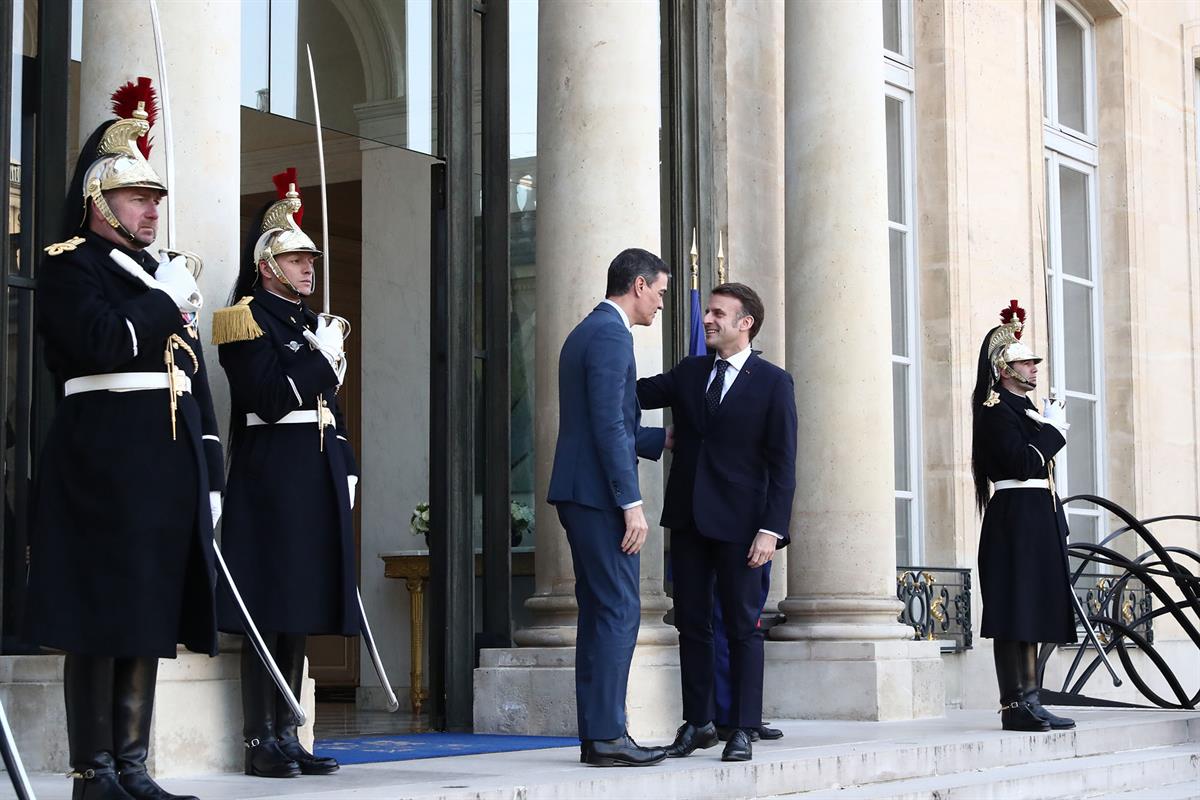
(737, 362)
(625, 322)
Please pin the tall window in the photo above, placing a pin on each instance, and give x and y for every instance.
(898, 113)
(1072, 268)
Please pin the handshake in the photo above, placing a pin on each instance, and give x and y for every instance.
(1054, 412)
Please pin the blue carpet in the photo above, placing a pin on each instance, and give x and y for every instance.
(409, 746)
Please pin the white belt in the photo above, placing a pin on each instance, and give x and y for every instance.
(1036, 483)
(294, 418)
(127, 382)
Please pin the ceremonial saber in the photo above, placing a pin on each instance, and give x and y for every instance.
(368, 637)
(312, 77)
(259, 645)
(194, 264)
(1091, 635)
(12, 761)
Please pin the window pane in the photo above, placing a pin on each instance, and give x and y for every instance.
(903, 532)
(896, 255)
(1073, 215)
(1077, 337)
(1084, 528)
(1081, 447)
(1069, 53)
(256, 49)
(894, 112)
(891, 26)
(900, 424)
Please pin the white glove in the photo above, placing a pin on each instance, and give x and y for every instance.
(352, 482)
(174, 278)
(328, 340)
(214, 503)
(1055, 412)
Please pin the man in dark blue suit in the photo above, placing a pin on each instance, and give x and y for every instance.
(594, 486)
(728, 505)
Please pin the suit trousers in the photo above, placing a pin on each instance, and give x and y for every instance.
(697, 563)
(722, 682)
(606, 590)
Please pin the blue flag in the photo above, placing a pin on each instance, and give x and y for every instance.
(696, 337)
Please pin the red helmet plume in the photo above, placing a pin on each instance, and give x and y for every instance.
(1013, 310)
(125, 101)
(283, 181)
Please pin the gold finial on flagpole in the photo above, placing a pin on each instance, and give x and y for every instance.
(695, 262)
(720, 257)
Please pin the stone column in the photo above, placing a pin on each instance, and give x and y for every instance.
(598, 193)
(841, 628)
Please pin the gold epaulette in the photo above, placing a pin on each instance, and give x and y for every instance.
(235, 323)
(58, 248)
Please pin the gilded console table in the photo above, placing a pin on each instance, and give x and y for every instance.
(413, 567)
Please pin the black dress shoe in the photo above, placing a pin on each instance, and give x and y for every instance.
(766, 734)
(738, 747)
(1019, 716)
(1055, 722)
(689, 739)
(266, 760)
(309, 764)
(620, 752)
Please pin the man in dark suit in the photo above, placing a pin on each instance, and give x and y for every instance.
(728, 504)
(594, 486)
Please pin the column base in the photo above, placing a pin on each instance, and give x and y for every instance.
(558, 614)
(531, 690)
(875, 680)
(197, 724)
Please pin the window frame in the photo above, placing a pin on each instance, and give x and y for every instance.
(1050, 119)
(899, 84)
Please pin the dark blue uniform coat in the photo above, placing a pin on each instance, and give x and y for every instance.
(121, 540)
(1023, 573)
(287, 532)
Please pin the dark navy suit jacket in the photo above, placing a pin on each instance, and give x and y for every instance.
(733, 473)
(599, 435)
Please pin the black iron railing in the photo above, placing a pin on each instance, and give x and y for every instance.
(937, 604)
(1115, 596)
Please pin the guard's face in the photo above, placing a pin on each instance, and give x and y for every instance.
(1028, 371)
(297, 268)
(724, 324)
(137, 210)
(648, 298)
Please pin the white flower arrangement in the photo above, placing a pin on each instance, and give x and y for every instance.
(418, 523)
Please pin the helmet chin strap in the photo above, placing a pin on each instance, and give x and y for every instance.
(279, 276)
(1016, 376)
(97, 198)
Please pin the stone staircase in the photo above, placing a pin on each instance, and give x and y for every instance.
(1114, 753)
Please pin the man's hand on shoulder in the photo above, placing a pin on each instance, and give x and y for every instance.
(635, 531)
(762, 549)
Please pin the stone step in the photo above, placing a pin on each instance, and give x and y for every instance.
(1189, 790)
(813, 756)
(1089, 777)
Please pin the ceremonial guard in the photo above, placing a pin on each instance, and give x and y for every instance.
(288, 536)
(121, 563)
(1023, 572)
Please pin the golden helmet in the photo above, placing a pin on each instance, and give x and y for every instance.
(280, 231)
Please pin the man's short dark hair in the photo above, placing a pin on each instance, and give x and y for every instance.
(752, 305)
(628, 266)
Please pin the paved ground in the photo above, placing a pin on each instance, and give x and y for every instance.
(875, 750)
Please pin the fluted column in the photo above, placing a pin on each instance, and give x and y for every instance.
(203, 49)
(598, 193)
(841, 576)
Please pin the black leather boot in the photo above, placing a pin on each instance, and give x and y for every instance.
(290, 656)
(1015, 713)
(88, 692)
(134, 681)
(1030, 687)
(264, 759)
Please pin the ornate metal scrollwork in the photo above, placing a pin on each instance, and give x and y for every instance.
(1124, 595)
(937, 604)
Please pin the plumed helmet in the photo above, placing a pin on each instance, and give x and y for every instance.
(280, 230)
(1005, 346)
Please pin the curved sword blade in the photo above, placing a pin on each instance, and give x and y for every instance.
(312, 75)
(164, 103)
